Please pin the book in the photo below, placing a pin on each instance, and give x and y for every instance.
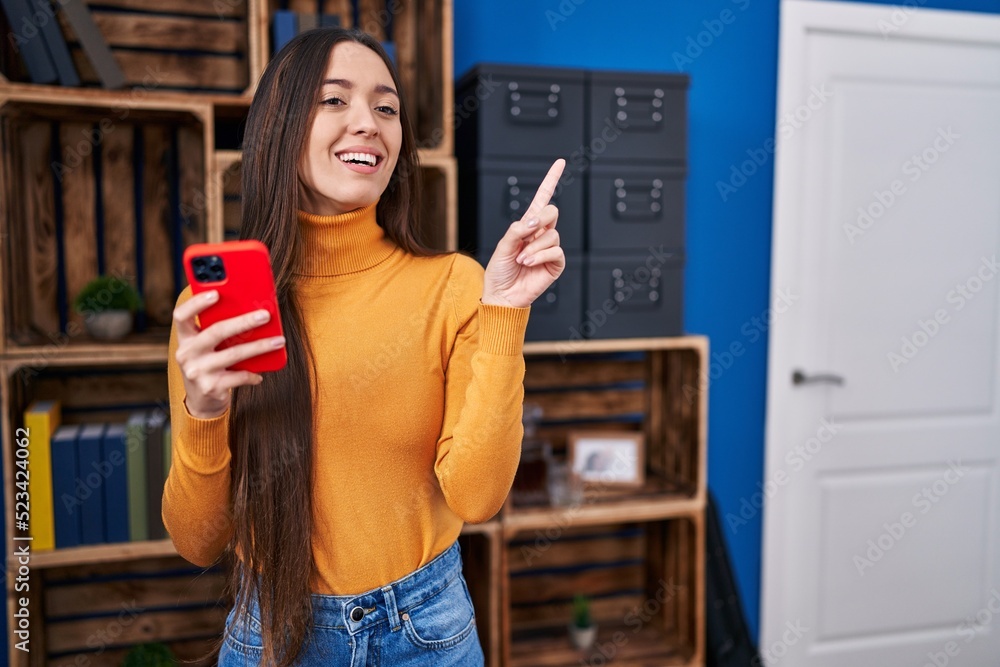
(29, 41)
(329, 21)
(306, 22)
(93, 43)
(116, 485)
(56, 44)
(284, 26)
(135, 461)
(66, 505)
(90, 483)
(42, 418)
(155, 423)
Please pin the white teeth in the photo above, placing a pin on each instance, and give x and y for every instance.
(367, 158)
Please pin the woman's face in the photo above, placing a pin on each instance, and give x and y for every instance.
(354, 143)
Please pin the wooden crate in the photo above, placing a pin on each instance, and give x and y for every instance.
(638, 553)
(439, 193)
(96, 188)
(481, 545)
(645, 582)
(93, 614)
(438, 222)
(422, 33)
(649, 391)
(189, 46)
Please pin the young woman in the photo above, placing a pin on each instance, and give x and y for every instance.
(339, 485)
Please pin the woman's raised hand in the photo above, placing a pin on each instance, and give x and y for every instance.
(206, 380)
(528, 258)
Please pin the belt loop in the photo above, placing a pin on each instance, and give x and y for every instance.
(390, 607)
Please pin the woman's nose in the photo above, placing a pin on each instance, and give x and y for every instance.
(362, 121)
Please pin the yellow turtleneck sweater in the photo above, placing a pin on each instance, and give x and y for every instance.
(418, 421)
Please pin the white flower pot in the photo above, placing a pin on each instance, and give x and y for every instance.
(582, 638)
(109, 324)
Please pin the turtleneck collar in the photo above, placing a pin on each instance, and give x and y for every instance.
(337, 245)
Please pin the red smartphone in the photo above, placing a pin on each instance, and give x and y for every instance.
(241, 272)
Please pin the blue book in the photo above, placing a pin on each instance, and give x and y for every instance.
(116, 485)
(59, 51)
(65, 503)
(285, 27)
(90, 487)
(155, 424)
(29, 41)
(390, 50)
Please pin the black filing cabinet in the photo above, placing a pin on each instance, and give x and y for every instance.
(521, 113)
(621, 199)
(633, 207)
(648, 114)
(557, 313)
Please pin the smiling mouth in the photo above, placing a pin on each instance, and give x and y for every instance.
(367, 159)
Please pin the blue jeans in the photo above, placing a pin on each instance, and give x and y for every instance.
(426, 618)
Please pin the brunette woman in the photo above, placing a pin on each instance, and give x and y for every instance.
(337, 486)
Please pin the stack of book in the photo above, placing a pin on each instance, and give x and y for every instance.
(96, 483)
(35, 33)
(286, 24)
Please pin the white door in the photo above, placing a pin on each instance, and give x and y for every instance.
(883, 492)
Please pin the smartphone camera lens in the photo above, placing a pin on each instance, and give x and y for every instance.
(218, 272)
(208, 269)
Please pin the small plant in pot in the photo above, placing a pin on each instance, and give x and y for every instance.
(582, 631)
(150, 655)
(108, 304)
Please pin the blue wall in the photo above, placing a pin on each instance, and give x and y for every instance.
(732, 111)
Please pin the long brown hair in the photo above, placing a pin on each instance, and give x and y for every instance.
(271, 424)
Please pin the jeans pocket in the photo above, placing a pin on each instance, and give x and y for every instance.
(442, 621)
(244, 633)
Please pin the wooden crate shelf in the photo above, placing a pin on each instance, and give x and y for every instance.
(550, 646)
(112, 189)
(616, 547)
(95, 612)
(601, 512)
(101, 553)
(188, 46)
(645, 581)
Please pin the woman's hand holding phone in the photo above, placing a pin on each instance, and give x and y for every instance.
(207, 381)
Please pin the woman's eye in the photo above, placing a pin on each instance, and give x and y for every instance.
(387, 110)
(333, 102)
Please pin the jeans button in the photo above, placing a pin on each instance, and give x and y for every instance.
(357, 614)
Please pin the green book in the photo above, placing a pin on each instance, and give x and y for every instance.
(135, 458)
(155, 423)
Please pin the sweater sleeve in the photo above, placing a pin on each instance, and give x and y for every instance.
(480, 443)
(196, 507)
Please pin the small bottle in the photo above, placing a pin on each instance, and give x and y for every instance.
(530, 484)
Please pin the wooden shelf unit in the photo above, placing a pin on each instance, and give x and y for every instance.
(177, 602)
(639, 555)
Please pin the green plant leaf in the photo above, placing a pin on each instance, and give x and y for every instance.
(107, 292)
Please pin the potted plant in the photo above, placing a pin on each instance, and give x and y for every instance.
(150, 655)
(582, 631)
(108, 304)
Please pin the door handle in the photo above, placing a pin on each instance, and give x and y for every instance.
(799, 377)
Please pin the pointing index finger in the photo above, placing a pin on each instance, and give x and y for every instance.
(546, 189)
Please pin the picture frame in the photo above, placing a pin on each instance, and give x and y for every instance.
(607, 459)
